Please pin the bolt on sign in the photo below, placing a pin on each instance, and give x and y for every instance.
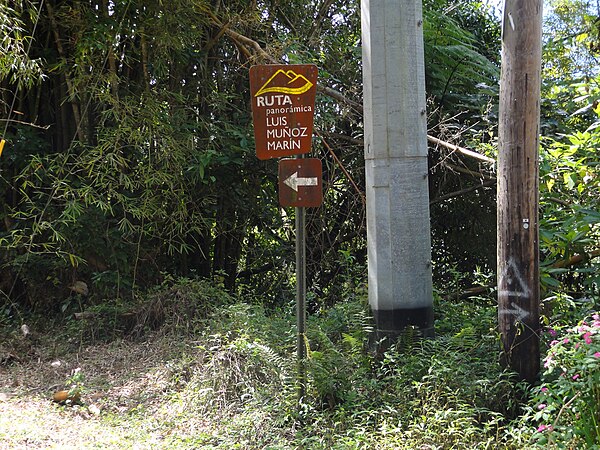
(300, 182)
(283, 104)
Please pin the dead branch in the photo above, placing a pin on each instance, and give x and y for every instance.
(255, 271)
(349, 139)
(286, 19)
(339, 97)
(316, 26)
(576, 259)
(454, 194)
(20, 122)
(336, 95)
(470, 172)
(470, 292)
(462, 150)
(559, 201)
(86, 315)
(339, 163)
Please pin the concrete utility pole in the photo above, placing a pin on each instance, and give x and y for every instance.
(518, 187)
(395, 122)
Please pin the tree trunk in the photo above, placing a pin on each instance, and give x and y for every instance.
(518, 187)
(70, 88)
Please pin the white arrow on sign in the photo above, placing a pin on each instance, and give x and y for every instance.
(294, 181)
(519, 312)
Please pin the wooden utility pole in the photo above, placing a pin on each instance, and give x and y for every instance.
(518, 187)
(395, 123)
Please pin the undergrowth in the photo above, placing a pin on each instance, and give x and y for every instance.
(230, 380)
(448, 392)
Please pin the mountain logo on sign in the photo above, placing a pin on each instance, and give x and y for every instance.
(283, 82)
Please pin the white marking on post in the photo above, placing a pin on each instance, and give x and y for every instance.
(512, 272)
(517, 311)
(512, 22)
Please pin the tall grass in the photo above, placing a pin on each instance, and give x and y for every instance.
(447, 392)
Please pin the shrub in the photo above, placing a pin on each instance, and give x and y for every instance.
(567, 403)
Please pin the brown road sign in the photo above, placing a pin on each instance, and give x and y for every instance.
(300, 182)
(283, 104)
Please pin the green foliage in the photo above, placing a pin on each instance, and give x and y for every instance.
(570, 37)
(447, 393)
(141, 168)
(462, 61)
(178, 306)
(570, 60)
(456, 60)
(75, 383)
(567, 403)
(570, 193)
(159, 140)
(236, 372)
(234, 378)
(336, 357)
(147, 163)
(221, 373)
(15, 63)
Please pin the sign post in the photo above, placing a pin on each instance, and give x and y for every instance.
(283, 103)
(301, 302)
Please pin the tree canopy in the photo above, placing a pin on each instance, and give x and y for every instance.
(129, 152)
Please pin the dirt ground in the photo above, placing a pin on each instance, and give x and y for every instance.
(118, 379)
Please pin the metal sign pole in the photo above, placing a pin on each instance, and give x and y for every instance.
(283, 103)
(301, 301)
